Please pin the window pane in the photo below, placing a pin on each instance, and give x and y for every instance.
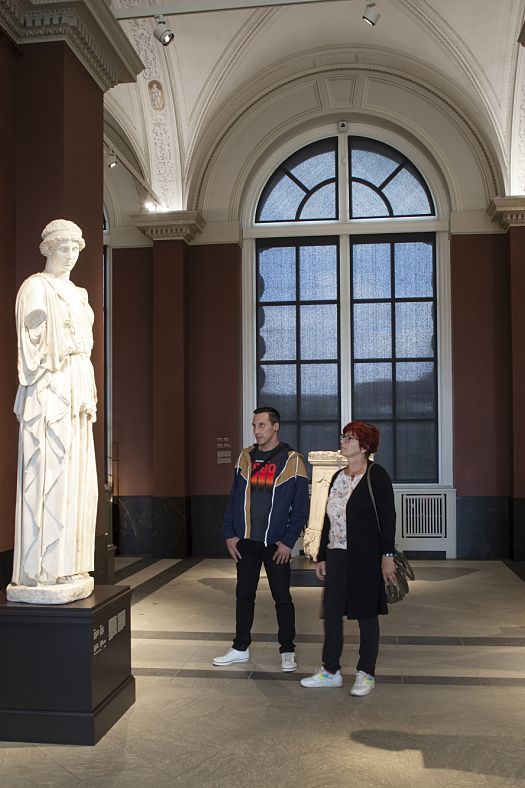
(414, 330)
(319, 391)
(276, 387)
(373, 161)
(372, 331)
(416, 452)
(321, 205)
(319, 331)
(372, 398)
(276, 280)
(315, 168)
(276, 333)
(415, 390)
(366, 202)
(406, 195)
(318, 273)
(414, 269)
(385, 453)
(318, 437)
(280, 201)
(288, 434)
(371, 270)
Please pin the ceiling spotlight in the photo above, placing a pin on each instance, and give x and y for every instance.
(370, 15)
(162, 32)
(111, 160)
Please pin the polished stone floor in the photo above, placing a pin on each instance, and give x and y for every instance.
(448, 708)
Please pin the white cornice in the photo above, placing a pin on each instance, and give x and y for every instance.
(87, 26)
(508, 211)
(170, 226)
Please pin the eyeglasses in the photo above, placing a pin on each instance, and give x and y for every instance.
(347, 438)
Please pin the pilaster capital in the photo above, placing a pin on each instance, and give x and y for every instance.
(508, 211)
(87, 26)
(170, 226)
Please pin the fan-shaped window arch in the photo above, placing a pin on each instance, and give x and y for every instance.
(384, 183)
(304, 187)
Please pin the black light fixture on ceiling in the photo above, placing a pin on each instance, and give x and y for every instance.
(111, 160)
(162, 32)
(370, 15)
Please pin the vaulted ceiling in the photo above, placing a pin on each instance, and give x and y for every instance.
(223, 66)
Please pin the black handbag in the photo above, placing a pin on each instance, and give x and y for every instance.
(395, 592)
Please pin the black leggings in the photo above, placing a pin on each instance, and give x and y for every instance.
(335, 610)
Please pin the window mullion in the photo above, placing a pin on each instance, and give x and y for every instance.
(345, 348)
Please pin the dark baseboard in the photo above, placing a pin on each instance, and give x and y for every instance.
(6, 568)
(148, 525)
(207, 520)
(483, 527)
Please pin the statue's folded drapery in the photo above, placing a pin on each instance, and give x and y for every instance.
(56, 406)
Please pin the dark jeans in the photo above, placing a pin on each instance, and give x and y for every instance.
(254, 555)
(335, 610)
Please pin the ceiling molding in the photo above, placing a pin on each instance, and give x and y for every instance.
(170, 226)
(507, 211)
(87, 26)
(176, 7)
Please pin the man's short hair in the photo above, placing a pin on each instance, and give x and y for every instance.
(273, 414)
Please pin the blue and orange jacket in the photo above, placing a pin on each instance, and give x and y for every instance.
(289, 509)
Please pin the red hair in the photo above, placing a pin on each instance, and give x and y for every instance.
(366, 434)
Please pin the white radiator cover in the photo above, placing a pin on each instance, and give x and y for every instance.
(426, 519)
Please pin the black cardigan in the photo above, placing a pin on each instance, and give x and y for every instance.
(365, 545)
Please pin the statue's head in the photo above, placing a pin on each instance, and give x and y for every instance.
(58, 231)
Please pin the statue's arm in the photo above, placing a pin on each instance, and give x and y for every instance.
(34, 309)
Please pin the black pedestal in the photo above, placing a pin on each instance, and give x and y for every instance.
(65, 670)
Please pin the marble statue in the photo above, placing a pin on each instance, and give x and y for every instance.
(325, 464)
(57, 493)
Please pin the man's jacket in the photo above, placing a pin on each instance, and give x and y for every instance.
(289, 508)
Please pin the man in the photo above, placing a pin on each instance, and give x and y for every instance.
(266, 513)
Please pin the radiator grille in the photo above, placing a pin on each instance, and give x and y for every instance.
(424, 515)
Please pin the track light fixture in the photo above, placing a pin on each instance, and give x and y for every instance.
(162, 32)
(370, 15)
(111, 160)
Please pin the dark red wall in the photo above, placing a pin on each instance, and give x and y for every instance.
(132, 332)
(177, 382)
(170, 474)
(9, 61)
(517, 323)
(215, 377)
(481, 364)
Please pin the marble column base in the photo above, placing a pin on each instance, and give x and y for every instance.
(58, 594)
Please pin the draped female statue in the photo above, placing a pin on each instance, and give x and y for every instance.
(56, 406)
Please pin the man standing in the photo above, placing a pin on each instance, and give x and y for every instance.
(266, 513)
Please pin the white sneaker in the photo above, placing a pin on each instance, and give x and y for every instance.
(363, 684)
(288, 663)
(232, 656)
(323, 679)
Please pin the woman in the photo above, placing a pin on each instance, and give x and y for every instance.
(355, 557)
(56, 406)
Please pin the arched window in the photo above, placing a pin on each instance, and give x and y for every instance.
(350, 310)
(384, 183)
(304, 187)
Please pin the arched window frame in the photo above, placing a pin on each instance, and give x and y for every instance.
(346, 229)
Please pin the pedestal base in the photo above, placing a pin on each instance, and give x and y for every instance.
(66, 669)
(59, 594)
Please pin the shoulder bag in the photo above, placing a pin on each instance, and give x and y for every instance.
(395, 592)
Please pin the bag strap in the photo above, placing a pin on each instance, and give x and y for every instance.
(372, 495)
(278, 449)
